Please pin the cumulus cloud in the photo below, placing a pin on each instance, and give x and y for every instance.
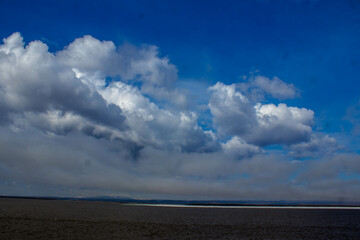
(232, 112)
(281, 124)
(317, 146)
(132, 64)
(150, 124)
(32, 80)
(260, 124)
(258, 87)
(87, 121)
(238, 147)
(50, 91)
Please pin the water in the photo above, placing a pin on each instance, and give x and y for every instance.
(234, 207)
(60, 219)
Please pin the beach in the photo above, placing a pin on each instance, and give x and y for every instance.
(69, 219)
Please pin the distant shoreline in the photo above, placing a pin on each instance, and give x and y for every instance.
(245, 206)
(198, 204)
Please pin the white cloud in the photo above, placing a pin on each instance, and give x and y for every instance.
(88, 54)
(275, 87)
(153, 124)
(32, 80)
(232, 112)
(52, 93)
(281, 124)
(132, 64)
(62, 128)
(239, 148)
(260, 124)
(257, 87)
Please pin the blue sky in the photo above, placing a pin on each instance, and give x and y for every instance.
(249, 82)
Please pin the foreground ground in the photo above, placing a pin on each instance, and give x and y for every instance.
(60, 219)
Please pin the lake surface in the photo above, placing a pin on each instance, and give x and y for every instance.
(242, 206)
(61, 219)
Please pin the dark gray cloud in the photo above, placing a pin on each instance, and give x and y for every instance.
(83, 165)
(318, 146)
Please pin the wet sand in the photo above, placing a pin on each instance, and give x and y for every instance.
(62, 219)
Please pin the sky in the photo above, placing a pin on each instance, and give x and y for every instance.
(191, 100)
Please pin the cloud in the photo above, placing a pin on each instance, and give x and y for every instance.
(50, 92)
(132, 64)
(36, 162)
(318, 146)
(232, 112)
(32, 80)
(238, 147)
(281, 124)
(336, 169)
(260, 124)
(89, 120)
(353, 116)
(258, 87)
(153, 124)
(88, 54)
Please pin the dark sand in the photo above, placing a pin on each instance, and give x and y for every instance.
(61, 219)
